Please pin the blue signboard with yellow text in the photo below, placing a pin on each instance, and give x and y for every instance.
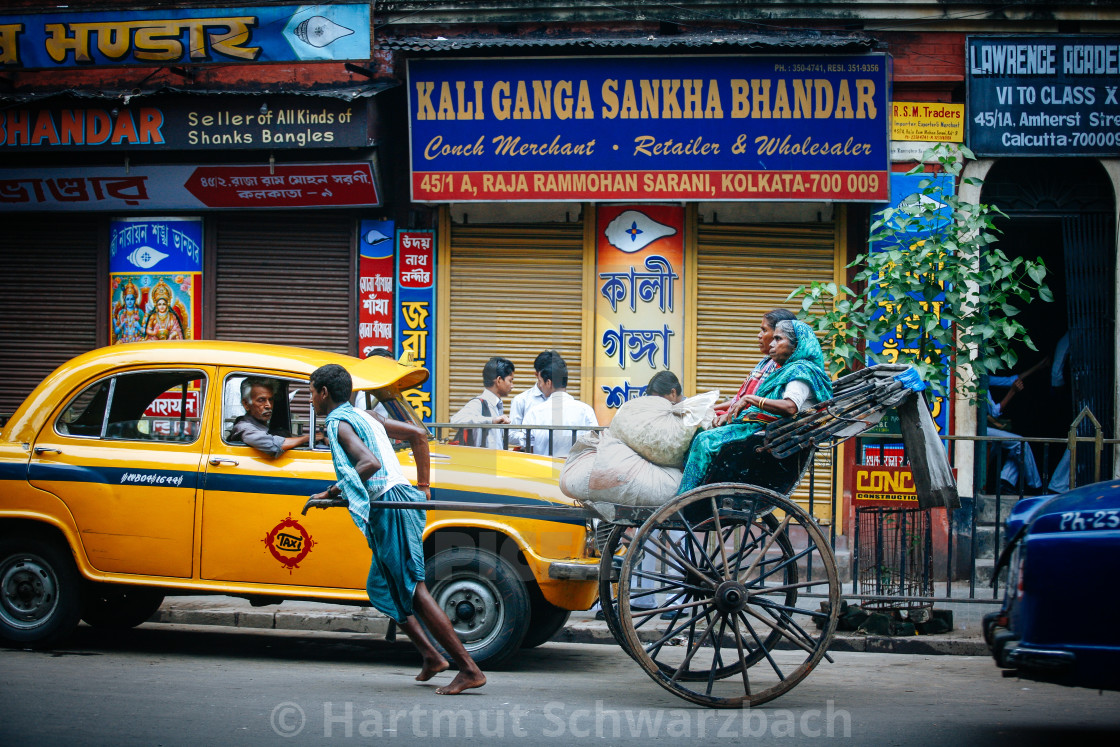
(186, 36)
(650, 129)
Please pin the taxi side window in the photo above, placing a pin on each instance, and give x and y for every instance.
(143, 406)
(291, 404)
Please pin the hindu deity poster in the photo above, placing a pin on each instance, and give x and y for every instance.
(155, 276)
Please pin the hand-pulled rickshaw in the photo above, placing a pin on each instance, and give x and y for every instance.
(728, 595)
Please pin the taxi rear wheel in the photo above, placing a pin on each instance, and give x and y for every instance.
(110, 606)
(484, 598)
(40, 597)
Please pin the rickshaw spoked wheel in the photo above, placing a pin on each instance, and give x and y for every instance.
(610, 564)
(730, 576)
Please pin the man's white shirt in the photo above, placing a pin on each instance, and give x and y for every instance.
(472, 413)
(521, 404)
(559, 409)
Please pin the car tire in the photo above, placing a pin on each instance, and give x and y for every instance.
(484, 598)
(545, 621)
(120, 607)
(40, 593)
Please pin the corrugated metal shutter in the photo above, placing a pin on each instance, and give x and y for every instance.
(515, 291)
(285, 279)
(48, 299)
(742, 272)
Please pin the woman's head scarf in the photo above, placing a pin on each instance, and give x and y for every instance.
(806, 364)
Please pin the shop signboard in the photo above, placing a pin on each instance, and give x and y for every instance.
(186, 36)
(639, 300)
(415, 312)
(1044, 95)
(188, 123)
(650, 129)
(927, 121)
(884, 486)
(375, 286)
(155, 279)
(189, 187)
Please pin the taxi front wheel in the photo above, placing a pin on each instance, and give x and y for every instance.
(120, 607)
(484, 598)
(40, 596)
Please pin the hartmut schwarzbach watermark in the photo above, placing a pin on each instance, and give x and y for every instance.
(555, 720)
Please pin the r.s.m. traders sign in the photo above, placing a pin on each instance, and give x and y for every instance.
(652, 129)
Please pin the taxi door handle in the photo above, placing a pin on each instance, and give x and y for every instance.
(221, 460)
(40, 450)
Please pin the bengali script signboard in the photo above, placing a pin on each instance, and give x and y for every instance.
(650, 129)
(416, 317)
(186, 36)
(639, 307)
(155, 279)
(375, 286)
(1044, 95)
(186, 187)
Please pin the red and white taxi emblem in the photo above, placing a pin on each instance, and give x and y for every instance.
(289, 543)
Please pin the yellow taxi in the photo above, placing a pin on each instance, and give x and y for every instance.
(120, 483)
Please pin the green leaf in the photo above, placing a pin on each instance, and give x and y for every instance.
(1045, 294)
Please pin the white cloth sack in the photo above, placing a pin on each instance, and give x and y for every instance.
(661, 431)
(578, 465)
(620, 475)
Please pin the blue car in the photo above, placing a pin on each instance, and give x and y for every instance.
(1060, 620)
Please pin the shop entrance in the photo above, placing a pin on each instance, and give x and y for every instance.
(1062, 211)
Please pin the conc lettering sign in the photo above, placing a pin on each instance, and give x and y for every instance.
(649, 129)
(884, 485)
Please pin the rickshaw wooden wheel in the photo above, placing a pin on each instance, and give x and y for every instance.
(731, 602)
(610, 563)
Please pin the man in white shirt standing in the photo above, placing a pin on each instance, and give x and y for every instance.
(560, 408)
(525, 401)
(497, 377)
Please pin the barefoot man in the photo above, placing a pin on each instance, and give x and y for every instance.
(367, 469)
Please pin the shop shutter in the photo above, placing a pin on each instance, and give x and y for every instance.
(743, 271)
(48, 299)
(285, 280)
(515, 291)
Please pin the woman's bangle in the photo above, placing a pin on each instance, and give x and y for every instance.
(762, 403)
(423, 485)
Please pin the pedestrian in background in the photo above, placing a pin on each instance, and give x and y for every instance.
(487, 407)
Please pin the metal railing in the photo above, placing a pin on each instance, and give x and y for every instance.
(975, 533)
(446, 432)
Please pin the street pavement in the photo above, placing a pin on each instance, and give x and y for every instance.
(582, 627)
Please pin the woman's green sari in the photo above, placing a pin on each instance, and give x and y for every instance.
(806, 364)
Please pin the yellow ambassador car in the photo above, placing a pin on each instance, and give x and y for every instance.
(119, 484)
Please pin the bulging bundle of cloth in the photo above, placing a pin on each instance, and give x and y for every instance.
(638, 460)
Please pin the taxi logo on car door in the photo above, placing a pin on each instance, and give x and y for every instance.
(289, 543)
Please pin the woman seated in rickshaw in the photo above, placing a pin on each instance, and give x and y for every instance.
(799, 380)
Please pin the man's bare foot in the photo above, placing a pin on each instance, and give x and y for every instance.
(463, 681)
(431, 668)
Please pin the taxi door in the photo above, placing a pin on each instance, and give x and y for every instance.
(252, 530)
(124, 455)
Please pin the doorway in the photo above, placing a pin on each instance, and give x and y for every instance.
(1061, 210)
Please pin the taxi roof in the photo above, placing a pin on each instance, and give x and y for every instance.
(371, 373)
